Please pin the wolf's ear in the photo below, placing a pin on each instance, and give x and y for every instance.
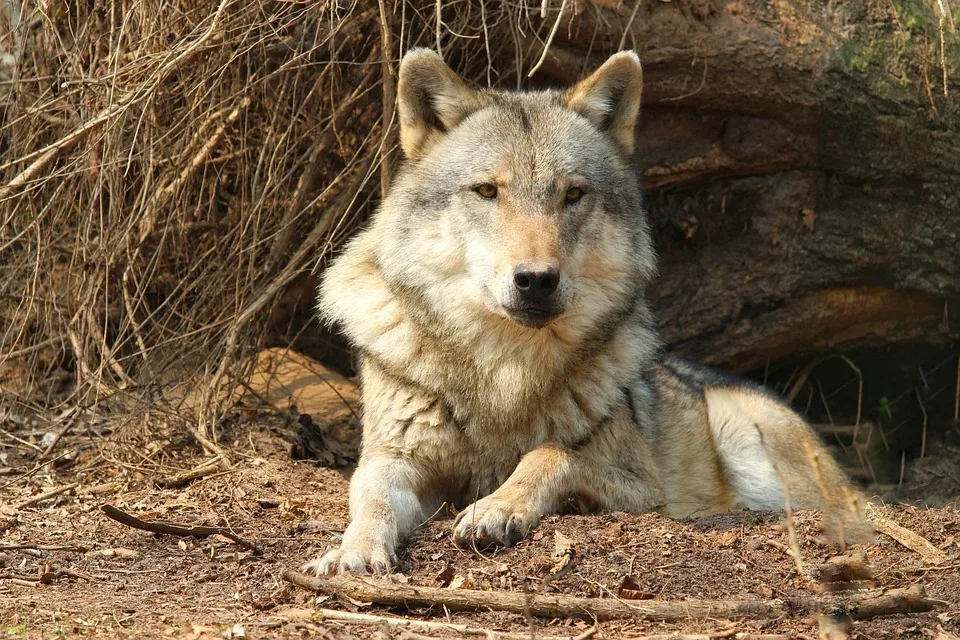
(610, 97)
(431, 99)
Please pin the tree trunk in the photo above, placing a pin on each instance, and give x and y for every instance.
(802, 165)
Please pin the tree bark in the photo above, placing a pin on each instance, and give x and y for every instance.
(802, 166)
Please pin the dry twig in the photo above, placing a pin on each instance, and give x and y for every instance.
(904, 536)
(859, 606)
(52, 493)
(185, 478)
(177, 529)
(395, 622)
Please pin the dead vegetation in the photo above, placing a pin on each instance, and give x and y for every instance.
(171, 169)
(174, 174)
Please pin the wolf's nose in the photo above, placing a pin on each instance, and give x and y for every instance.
(536, 285)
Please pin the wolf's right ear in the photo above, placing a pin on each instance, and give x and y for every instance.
(431, 99)
(610, 97)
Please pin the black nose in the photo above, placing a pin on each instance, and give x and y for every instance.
(536, 285)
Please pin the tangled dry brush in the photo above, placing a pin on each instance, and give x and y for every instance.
(173, 173)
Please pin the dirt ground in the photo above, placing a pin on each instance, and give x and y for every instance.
(163, 586)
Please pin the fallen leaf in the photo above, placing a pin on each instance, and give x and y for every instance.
(119, 552)
(200, 630)
(562, 545)
(630, 590)
(726, 539)
(295, 508)
(942, 634)
(445, 577)
(462, 582)
(351, 603)
(236, 631)
(311, 525)
(541, 563)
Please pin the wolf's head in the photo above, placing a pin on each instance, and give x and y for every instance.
(520, 207)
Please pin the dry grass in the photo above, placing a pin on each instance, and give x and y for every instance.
(169, 169)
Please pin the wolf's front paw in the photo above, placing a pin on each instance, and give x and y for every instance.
(357, 559)
(493, 522)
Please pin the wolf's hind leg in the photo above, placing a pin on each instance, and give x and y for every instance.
(789, 451)
(384, 507)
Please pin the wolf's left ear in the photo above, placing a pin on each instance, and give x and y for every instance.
(610, 97)
(431, 100)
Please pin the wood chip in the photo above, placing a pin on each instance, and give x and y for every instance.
(904, 536)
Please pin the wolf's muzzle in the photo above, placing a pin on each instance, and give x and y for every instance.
(536, 286)
(534, 302)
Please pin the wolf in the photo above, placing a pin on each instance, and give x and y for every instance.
(509, 360)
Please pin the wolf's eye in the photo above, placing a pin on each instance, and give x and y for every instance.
(486, 190)
(573, 195)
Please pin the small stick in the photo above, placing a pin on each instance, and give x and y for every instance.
(710, 636)
(956, 400)
(909, 539)
(420, 625)
(42, 547)
(36, 468)
(923, 434)
(806, 371)
(389, 98)
(25, 583)
(175, 529)
(546, 46)
(185, 478)
(788, 508)
(20, 440)
(75, 574)
(47, 495)
(70, 416)
(589, 633)
(903, 463)
(871, 604)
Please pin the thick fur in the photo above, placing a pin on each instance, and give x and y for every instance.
(467, 400)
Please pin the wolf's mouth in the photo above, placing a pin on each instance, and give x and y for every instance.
(534, 317)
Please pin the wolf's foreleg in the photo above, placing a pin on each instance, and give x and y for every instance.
(384, 507)
(542, 478)
(614, 469)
